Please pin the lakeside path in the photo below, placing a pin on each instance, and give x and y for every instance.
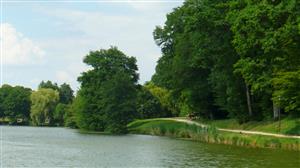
(233, 130)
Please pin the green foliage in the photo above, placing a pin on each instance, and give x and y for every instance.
(65, 99)
(288, 126)
(48, 85)
(224, 58)
(287, 91)
(209, 134)
(119, 94)
(65, 91)
(149, 106)
(265, 34)
(108, 91)
(59, 113)
(15, 103)
(73, 113)
(164, 97)
(43, 105)
(65, 94)
(198, 59)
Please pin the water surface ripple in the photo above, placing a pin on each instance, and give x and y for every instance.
(60, 147)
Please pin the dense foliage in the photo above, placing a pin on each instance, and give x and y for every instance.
(150, 105)
(237, 58)
(44, 102)
(15, 104)
(66, 94)
(108, 91)
(46, 106)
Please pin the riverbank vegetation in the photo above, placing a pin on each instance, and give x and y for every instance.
(234, 61)
(46, 106)
(231, 59)
(108, 92)
(209, 134)
(288, 126)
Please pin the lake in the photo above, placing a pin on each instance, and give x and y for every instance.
(61, 147)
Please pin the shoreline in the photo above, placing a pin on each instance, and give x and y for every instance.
(193, 132)
(181, 130)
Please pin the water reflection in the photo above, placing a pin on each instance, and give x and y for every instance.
(60, 147)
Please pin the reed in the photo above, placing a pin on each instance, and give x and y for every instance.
(209, 134)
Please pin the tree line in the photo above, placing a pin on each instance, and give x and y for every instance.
(236, 58)
(108, 99)
(220, 59)
(45, 107)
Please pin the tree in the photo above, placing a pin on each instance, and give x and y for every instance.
(164, 97)
(73, 113)
(266, 36)
(287, 92)
(15, 103)
(108, 91)
(65, 94)
(119, 102)
(43, 105)
(197, 62)
(149, 106)
(65, 91)
(59, 113)
(48, 85)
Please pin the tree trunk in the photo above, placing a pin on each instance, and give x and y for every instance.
(275, 112)
(211, 116)
(249, 101)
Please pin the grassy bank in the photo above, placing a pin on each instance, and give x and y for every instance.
(285, 126)
(210, 134)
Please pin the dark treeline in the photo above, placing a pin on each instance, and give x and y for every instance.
(15, 104)
(45, 107)
(220, 59)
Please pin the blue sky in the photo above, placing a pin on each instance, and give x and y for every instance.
(48, 40)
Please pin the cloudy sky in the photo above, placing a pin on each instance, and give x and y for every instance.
(48, 40)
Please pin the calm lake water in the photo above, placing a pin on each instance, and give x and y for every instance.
(60, 147)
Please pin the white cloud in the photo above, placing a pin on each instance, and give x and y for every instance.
(65, 33)
(70, 73)
(35, 81)
(18, 49)
(95, 30)
(64, 76)
(93, 23)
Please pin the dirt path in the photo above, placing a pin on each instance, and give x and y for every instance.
(234, 130)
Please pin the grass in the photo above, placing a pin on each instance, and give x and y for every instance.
(287, 126)
(4, 120)
(209, 134)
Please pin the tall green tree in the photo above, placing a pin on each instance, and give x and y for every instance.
(287, 92)
(266, 36)
(108, 91)
(197, 61)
